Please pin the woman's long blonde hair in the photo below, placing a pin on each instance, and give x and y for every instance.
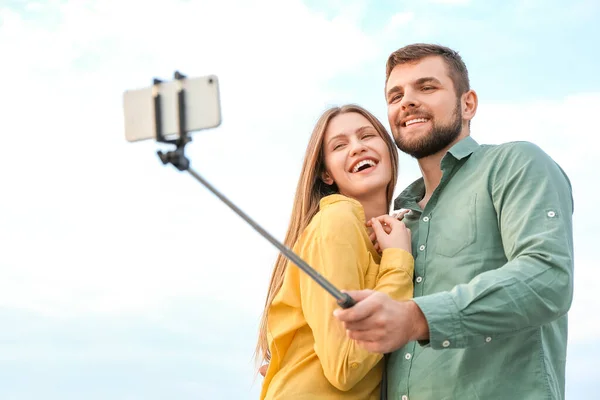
(310, 190)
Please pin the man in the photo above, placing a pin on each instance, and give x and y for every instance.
(493, 247)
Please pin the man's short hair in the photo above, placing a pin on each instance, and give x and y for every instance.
(415, 52)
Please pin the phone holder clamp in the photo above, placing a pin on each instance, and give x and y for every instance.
(179, 160)
(176, 157)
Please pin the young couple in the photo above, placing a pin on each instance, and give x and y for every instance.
(491, 233)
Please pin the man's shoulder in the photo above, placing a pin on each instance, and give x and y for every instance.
(511, 152)
(521, 158)
(520, 146)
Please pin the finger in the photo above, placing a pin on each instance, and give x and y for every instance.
(372, 237)
(391, 221)
(368, 324)
(359, 295)
(387, 228)
(399, 215)
(371, 335)
(388, 219)
(361, 310)
(374, 322)
(263, 369)
(371, 347)
(378, 229)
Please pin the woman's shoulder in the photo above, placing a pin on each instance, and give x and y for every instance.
(338, 214)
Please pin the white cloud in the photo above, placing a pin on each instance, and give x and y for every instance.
(96, 224)
(399, 20)
(450, 2)
(90, 224)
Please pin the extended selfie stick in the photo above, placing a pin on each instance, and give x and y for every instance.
(180, 161)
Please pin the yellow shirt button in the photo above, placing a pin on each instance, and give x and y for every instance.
(354, 365)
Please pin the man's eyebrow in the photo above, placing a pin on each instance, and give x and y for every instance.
(420, 81)
(394, 90)
(427, 79)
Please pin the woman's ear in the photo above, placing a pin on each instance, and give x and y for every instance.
(325, 177)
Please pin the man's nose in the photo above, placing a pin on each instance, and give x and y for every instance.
(408, 102)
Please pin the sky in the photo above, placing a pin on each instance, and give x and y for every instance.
(122, 278)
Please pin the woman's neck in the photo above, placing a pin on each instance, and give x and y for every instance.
(374, 205)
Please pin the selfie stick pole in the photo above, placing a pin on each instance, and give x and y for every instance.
(179, 160)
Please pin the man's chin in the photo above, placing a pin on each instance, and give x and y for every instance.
(425, 145)
(414, 133)
(419, 152)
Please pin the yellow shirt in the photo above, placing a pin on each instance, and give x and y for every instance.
(311, 356)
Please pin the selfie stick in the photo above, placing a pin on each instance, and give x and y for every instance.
(180, 161)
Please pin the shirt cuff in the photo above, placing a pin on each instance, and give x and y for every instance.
(395, 258)
(443, 318)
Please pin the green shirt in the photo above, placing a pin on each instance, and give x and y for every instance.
(493, 275)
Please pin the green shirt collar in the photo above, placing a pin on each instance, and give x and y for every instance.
(416, 190)
(464, 148)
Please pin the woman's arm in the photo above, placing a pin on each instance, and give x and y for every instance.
(338, 250)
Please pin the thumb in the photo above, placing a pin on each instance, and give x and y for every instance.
(359, 295)
(355, 313)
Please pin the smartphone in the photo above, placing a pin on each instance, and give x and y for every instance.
(203, 108)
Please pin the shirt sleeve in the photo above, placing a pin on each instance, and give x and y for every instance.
(534, 205)
(338, 252)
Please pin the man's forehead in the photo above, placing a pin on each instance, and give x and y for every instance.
(407, 73)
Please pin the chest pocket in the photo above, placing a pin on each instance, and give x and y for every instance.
(455, 228)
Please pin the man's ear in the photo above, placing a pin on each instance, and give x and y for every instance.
(325, 177)
(469, 106)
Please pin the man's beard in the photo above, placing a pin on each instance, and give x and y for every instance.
(436, 140)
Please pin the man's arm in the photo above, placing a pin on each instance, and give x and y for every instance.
(532, 198)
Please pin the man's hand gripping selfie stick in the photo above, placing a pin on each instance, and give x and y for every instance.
(179, 160)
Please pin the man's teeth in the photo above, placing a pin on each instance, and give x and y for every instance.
(362, 163)
(414, 121)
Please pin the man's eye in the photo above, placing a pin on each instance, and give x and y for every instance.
(427, 87)
(396, 98)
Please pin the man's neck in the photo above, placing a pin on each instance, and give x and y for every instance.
(432, 174)
(432, 171)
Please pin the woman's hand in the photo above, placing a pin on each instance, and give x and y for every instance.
(389, 232)
(399, 215)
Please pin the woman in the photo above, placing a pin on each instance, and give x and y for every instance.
(347, 179)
